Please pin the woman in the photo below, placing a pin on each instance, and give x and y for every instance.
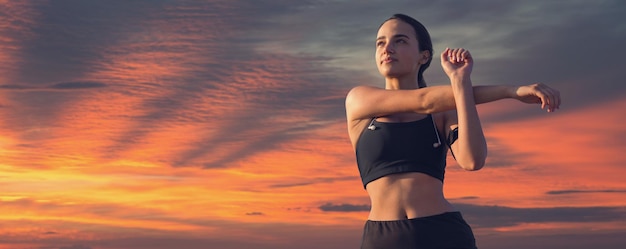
(397, 133)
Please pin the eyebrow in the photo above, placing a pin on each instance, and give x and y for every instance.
(395, 36)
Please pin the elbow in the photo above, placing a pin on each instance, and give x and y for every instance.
(474, 163)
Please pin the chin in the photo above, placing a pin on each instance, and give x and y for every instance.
(392, 74)
(386, 72)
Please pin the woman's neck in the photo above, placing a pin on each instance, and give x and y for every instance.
(392, 83)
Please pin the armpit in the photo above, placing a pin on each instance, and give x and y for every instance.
(452, 137)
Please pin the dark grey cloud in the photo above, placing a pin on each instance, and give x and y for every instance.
(464, 198)
(329, 207)
(501, 216)
(482, 216)
(76, 85)
(578, 191)
(565, 44)
(13, 87)
(70, 38)
(552, 238)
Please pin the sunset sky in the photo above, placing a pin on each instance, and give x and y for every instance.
(221, 124)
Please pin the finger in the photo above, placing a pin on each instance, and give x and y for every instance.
(544, 95)
(459, 54)
(546, 100)
(543, 98)
(466, 55)
(557, 98)
(451, 53)
(445, 55)
(553, 96)
(553, 99)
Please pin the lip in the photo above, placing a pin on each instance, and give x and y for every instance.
(387, 60)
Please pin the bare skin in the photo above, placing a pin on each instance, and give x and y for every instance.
(412, 195)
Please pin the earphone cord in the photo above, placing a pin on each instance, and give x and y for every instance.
(436, 132)
(371, 126)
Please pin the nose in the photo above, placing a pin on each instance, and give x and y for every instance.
(390, 48)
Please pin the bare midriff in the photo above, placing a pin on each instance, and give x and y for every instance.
(406, 196)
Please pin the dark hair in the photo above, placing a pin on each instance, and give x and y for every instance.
(423, 38)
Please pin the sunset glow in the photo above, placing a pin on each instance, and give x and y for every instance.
(182, 124)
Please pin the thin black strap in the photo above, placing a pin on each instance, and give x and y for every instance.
(452, 137)
(438, 143)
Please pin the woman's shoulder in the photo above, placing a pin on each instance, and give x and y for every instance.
(361, 92)
(363, 89)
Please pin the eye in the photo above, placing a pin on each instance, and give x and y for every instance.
(379, 43)
(401, 41)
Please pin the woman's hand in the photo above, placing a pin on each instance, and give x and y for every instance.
(539, 93)
(457, 62)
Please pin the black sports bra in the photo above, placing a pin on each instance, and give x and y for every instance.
(389, 148)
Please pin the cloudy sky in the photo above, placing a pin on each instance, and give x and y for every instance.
(220, 124)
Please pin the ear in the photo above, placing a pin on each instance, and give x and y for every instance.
(424, 57)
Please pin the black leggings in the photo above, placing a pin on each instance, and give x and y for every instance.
(442, 231)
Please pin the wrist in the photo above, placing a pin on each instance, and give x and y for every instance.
(459, 77)
(460, 82)
(511, 92)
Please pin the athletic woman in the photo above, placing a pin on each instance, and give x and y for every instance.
(401, 135)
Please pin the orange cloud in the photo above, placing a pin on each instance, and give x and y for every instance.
(567, 150)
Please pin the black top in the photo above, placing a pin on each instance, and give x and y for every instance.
(390, 148)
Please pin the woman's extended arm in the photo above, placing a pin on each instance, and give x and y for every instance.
(537, 93)
(364, 102)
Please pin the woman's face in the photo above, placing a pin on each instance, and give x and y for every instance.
(397, 49)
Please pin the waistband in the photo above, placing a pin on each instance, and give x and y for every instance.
(442, 216)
